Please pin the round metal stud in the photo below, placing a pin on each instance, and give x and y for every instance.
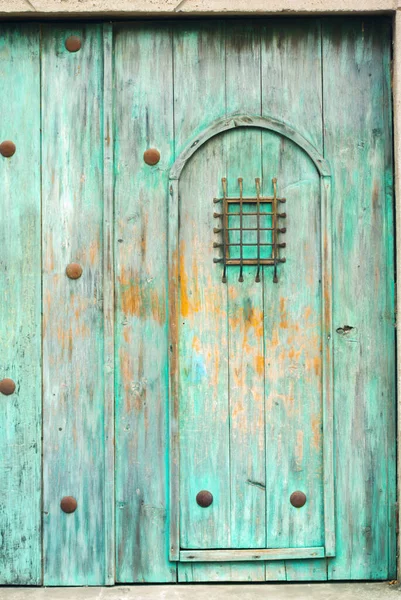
(297, 499)
(204, 498)
(7, 387)
(7, 148)
(151, 156)
(74, 271)
(68, 504)
(73, 43)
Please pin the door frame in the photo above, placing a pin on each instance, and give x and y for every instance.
(220, 126)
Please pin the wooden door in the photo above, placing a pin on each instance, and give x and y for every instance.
(250, 334)
(148, 379)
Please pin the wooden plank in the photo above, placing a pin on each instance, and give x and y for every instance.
(358, 143)
(108, 304)
(291, 91)
(252, 554)
(143, 119)
(74, 414)
(20, 317)
(199, 82)
(243, 156)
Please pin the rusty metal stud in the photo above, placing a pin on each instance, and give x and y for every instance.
(7, 148)
(7, 387)
(73, 43)
(297, 499)
(204, 498)
(74, 271)
(68, 504)
(151, 156)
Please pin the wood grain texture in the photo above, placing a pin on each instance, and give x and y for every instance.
(108, 306)
(253, 555)
(73, 327)
(143, 115)
(243, 158)
(291, 90)
(199, 83)
(20, 314)
(358, 143)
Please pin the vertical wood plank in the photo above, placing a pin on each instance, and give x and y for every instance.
(143, 115)
(73, 328)
(108, 304)
(20, 316)
(358, 143)
(245, 303)
(199, 83)
(291, 91)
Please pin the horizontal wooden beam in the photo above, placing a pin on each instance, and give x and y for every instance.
(250, 555)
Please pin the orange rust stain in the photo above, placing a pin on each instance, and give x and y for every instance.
(49, 256)
(126, 376)
(140, 301)
(299, 448)
(316, 431)
(93, 252)
(259, 364)
(189, 303)
(196, 344)
(317, 363)
(158, 307)
(307, 313)
(283, 314)
(127, 335)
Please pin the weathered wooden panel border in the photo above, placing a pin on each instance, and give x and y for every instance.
(322, 166)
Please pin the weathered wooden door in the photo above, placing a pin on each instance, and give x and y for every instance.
(250, 333)
(187, 405)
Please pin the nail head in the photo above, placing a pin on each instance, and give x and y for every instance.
(151, 156)
(68, 504)
(7, 148)
(73, 43)
(74, 271)
(7, 386)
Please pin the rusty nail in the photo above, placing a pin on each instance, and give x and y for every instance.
(68, 504)
(297, 499)
(74, 271)
(151, 156)
(73, 43)
(204, 498)
(7, 148)
(7, 386)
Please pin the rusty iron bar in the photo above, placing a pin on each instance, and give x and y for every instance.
(241, 248)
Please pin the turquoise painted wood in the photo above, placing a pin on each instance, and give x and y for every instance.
(20, 312)
(142, 119)
(74, 361)
(363, 288)
(149, 378)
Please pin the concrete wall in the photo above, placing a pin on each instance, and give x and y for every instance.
(31, 8)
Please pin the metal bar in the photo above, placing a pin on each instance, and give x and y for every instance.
(241, 249)
(218, 245)
(257, 183)
(252, 214)
(225, 230)
(274, 235)
(263, 199)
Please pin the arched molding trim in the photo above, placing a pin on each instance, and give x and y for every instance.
(235, 121)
